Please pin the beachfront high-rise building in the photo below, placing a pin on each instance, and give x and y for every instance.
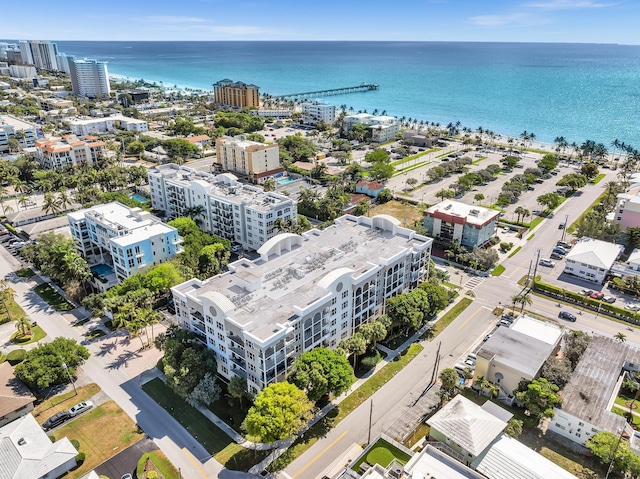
(303, 292)
(22, 71)
(44, 55)
(243, 214)
(315, 112)
(25, 52)
(237, 94)
(63, 62)
(118, 241)
(12, 127)
(56, 153)
(89, 78)
(256, 160)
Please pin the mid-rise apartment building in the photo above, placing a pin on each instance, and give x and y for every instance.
(243, 214)
(303, 292)
(89, 78)
(118, 241)
(383, 128)
(316, 112)
(256, 160)
(24, 132)
(88, 126)
(237, 94)
(56, 153)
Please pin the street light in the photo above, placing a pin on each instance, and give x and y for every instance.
(66, 368)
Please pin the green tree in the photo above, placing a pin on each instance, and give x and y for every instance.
(7, 293)
(539, 397)
(373, 332)
(449, 378)
(212, 260)
(356, 345)
(514, 428)
(548, 163)
(478, 197)
(180, 148)
(381, 170)
(162, 277)
(590, 170)
(550, 200)
(269, 184)
(609, 448)
(384, 196)
(377, 156)
(42, 366)
(445, 194)
(279, 411)
(557, 371)
(205, 392)
(237, 388)
(576, 342)
(298, 147)
(321, 371)
(573, 181)
(23, 324)
(620, 337)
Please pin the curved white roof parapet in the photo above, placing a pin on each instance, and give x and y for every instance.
(220, 300)
(386, 222)
(276, 244)
(332, 276)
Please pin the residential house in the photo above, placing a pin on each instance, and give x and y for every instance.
(201, 141)
(15, 398)
(591, 259)
(369, 188)
(26, 452)
(516, 353)
(457, 222)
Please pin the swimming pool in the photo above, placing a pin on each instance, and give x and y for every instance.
(139, 198)
(284, 181)
(102, 270)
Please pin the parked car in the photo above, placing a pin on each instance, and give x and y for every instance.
(561, 226)
(502, 322)
(609, 299)
(560, 250)
(55, 420)
(506, 229)
(632, 307)
(470, 363)
(597, 295)
(555, 256)
(586, 292)
(80, 408)
(564, 244)
(508, 317)
(126, 476)
(547, 262)
(567, 315)
(486, 338)
(472, 358)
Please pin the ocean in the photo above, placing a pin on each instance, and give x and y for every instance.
(579, 91)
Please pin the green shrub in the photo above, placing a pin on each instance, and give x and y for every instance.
(151, 475)
(80, 458)
(16, 356)
(52, 438)
(370, 362)
(76, 444)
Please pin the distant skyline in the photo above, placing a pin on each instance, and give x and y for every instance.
(571, 21)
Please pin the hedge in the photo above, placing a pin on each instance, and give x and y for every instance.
(16, 356)
(593, 304)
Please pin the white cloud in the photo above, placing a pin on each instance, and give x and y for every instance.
(172, 19)
(499, 20)
(568, 4)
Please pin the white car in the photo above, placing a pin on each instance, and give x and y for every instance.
(547, 262)
(506, 230)
(632, 306)
(80, 408)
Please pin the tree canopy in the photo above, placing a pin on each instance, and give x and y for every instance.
(539, 397)
(321, 371)
(607, 447)
(279, 411)
(298, 147)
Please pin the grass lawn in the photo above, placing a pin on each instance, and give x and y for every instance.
(342, 410)
(382, 453)
(514, 252)
(36, 334)
(451, 285)
(535, 222)
(15, 311)
(102, 432)
(448, 317)
(58, 403)
(623, 412)
(575, 224)
(598, 178)
(530, 237)
(212, 438)
(420, 432)
(498, 270)
(51, 296)
(25, 273)
(398, 210)
(161, 463)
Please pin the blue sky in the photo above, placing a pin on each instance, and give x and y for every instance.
(583, 21)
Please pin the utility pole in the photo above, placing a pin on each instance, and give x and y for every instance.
(436, 365)
(66, 368)
(564, 230)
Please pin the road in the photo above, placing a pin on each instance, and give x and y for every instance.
(393, 403)
(111, 375)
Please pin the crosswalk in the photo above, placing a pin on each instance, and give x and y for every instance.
(473, 282)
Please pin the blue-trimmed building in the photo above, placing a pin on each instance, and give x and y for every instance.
(118, 241)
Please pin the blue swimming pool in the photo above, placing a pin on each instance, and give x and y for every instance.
(139, 198)
(102, 270)
(284, 181)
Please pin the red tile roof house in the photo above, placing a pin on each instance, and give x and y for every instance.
(369, 188)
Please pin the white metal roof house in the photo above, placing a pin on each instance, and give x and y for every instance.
(591, 259)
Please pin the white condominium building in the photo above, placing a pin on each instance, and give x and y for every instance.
(44, 55)
(25, 52)
(88, 126)
(241, 213)
(24, 132)
(89, 78)
(63, 61)
(303, 292)
(55, 153)
(118, 241)
(315, 112)
(22, 71)
(250, 158)
(383, 128)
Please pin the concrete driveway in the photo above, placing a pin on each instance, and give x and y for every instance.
(125, 461)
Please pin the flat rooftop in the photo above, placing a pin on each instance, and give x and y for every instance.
(474, 214)
(16, 123)
(545, 331)
(142, 233)
(116, 214)
(292, 278)
(516, 350)
(594, 380)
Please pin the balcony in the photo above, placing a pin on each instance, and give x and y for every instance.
(238, 361)
(197, 315)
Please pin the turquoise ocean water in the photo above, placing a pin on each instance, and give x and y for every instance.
(579, 91)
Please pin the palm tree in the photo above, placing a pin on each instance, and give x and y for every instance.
(519, 211)
(64, 200)
(50, 205)
(522, 299)
(152, 317)
(7, 293)
(620, 337)
(23, 325)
